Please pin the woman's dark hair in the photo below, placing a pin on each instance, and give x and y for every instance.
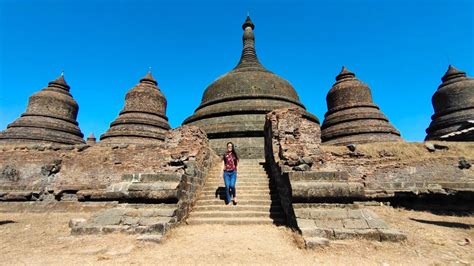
(233, 151)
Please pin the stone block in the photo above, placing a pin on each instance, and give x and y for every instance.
(355, 224)
(393, 235)
(152, 186)
(331, 224)
(315, 242)
(76, 222)
(128, 220)
(151, 238)
(114, 229)
(108, 217)
(305, 223)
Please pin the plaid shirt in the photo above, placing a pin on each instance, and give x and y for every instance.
(230, 161)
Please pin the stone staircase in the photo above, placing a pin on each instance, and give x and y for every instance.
(258, 203)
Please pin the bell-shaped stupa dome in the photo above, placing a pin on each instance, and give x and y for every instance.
(352, 117)
(143, 118)
(49, 118)
(453, 105)
(233, 107)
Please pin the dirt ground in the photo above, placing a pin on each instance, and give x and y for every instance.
(44, 238)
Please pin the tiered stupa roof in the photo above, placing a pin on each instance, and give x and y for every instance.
(453, 104)
(49, 118)
(352, 117)
(233, 107)
(143, 118)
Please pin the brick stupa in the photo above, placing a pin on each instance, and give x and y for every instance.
(453, 105)
(49, 118)
(143, 119)
(233, 107)
(352, 117)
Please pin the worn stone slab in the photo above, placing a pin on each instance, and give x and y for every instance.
(315, 242)
(151, 238)
(355, 224)
(307, 190)
(331, 224)
(319, 232)
(152, 186)
(318, 176)
(108, 217)
(305, 223)
(392, 235)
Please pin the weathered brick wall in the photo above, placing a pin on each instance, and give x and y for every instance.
(170, 172)
(291, 143)
(308, 172)
(386, 169)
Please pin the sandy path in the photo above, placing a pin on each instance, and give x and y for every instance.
(43, 238)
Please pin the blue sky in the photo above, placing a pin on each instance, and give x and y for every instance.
(400, 49)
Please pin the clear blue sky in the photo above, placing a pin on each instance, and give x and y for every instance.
(399, 48)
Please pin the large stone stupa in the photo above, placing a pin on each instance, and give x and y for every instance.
(352, 116)
(49, 118)
(233, 107)
(143, 119)
(453, 104)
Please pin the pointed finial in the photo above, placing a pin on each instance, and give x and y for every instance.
(149, 78)
(452, 73)
(248, 23)
(59, 82)
(345, 73)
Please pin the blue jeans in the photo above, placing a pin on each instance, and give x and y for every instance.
(229, 180)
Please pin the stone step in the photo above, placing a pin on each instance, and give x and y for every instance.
(244, 182)
(236, 214)
(241, 192)
(241, 174)
(242, 202)
(238, 207)
(240, 196)
(234, 221)
(221, 179)
(240, 181)
(221, 189)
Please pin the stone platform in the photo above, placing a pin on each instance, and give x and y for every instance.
(153, 220)
(320, 223)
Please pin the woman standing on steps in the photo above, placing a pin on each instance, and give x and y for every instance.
(231, 161)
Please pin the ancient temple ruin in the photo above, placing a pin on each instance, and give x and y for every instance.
(49, 118)
(453, 104)
(147, 179)
(233, 107)
(352, 117)
(143, 118)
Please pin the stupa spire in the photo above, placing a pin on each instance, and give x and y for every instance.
(148, 78)
(452, 72)
(344, 74)
(249, 54)
(59, 82)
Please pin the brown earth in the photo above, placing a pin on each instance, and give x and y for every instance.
(44, 238)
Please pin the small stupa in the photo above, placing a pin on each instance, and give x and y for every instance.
(352, 117)
(453, 103)
(49, 118)
(143, 119)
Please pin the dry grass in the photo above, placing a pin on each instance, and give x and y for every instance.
(408, 150)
